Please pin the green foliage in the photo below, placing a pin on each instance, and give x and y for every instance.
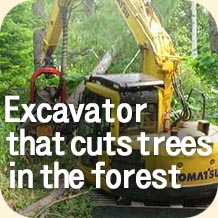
(176, 17)
(19, 198)
(201, 73)
(177, 20)
(16, 63)
(91, 36)
(203, 31)
(188, 75)
(164, 11)
(206, 67)
(80, 207)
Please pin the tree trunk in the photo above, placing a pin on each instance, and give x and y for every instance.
(39, 12)
(53, 196)
(213, 35)
(194, 30)
(101, 68)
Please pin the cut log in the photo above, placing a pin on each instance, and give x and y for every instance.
(53, 196)
(101, 68)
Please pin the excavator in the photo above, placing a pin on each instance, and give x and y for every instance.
(155, 85)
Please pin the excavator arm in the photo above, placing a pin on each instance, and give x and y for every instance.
(57, 24)
(159, 57)
(53, 32)
(54, 28)
(52, 94)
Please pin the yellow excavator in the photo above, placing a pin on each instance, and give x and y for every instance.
(154, 85)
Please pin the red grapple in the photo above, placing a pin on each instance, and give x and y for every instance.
(47, 71)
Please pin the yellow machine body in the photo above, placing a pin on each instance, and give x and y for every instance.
(199, 175)
(159, 59)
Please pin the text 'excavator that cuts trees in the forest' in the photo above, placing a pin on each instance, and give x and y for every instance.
(154, 85)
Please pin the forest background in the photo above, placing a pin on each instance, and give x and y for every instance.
(95, 27)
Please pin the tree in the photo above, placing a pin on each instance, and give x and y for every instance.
(213, 35)
(194, 30)
(38, 8)
(16, 49)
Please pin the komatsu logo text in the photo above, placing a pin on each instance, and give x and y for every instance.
(204, 175)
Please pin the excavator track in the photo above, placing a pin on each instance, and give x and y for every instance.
(106, 206)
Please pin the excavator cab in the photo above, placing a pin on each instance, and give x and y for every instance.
(133, 88)
(137, 88)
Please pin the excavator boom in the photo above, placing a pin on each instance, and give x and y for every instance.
(159, 57)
